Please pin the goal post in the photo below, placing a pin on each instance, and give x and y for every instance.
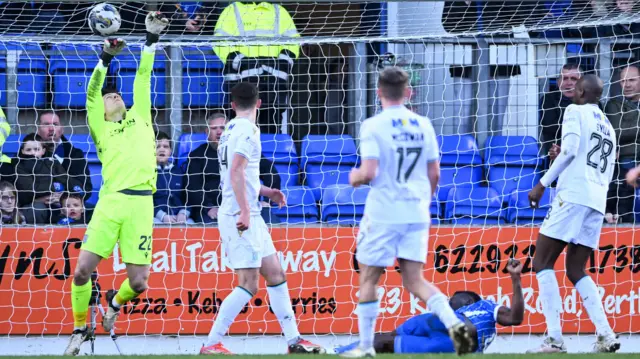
(485, 73)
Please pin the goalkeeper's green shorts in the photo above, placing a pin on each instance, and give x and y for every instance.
(126, 219)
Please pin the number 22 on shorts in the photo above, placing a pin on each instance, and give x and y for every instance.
(145, 243)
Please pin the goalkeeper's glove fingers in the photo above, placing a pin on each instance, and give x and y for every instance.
(113, 46)
(156, 22)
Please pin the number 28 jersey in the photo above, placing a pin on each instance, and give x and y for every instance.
(243, 138)
(403, 143)
(586, 180)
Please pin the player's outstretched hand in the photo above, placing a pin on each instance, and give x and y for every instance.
(156, 22)
(632, 177)
(514, 267)
(535, 194)
(113, 46)
(278, 197)
(354, 177)
(242, 224)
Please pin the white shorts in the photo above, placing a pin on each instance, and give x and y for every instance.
(573, 223)
(245, 250)
(379, 244)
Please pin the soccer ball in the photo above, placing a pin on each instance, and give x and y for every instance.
(104, 19)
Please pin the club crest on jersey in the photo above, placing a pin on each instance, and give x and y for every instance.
(404, 122)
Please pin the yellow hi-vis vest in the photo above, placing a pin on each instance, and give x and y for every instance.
(5, 128)
(255, 20)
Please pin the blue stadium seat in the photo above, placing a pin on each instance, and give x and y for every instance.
(512, 151)
(458, 150)
(71, 67)
(326, 160)
(189, 142)
(343, 204)
(475, 206)
(301, 206)
(201, 78)
(282, 152)
(31, 74)
(520, 212)
(453, 177)
(84, 142)
(12, 145)
(125, 67)
(95, 171)
(506, 179)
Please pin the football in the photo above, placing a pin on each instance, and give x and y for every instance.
(104, 19)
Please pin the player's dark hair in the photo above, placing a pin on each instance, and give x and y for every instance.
(392, 83)
(107, 90)
(463, 298)
(244, 95)
(572, 66)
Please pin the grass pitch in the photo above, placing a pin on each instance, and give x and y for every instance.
(379, 356)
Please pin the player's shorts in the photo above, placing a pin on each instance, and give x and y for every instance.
(379, 244)
(246, 249)
(573, 223)
(126, 219)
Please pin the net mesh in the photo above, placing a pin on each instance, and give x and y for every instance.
(489, 75)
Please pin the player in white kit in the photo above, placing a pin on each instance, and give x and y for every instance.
(585, 169)
(400, 159)
(244, 234)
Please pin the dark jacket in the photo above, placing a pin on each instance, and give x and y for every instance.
(552, 106)
(624, 116)
(39, 177)
(203, 180)
(75, 165)
(8, 169)
(169, 197)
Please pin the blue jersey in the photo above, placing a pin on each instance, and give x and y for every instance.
(483, 316)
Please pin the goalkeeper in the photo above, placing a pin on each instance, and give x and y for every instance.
(126, 147)
(425, 333)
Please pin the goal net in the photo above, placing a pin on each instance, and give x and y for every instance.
(493, 77)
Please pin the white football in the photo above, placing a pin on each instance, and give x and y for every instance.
(104, 19)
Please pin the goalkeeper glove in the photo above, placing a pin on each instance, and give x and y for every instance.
(110, 49)
(155, 23)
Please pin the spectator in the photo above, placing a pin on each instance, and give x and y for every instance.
(72, 211)
(553, 104)
(40, 181)
(203, 176)
(57, 146)
(624, 114)
(9, 205)
(168, 200)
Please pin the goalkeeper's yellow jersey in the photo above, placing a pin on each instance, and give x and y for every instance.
(127, 149)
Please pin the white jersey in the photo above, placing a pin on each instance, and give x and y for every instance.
(243, 138)
(586, 179)
(403, 143)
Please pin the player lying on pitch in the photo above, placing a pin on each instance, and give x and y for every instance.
(425, 333)
(127, 149)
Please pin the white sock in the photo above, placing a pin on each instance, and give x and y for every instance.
(551, 301)
(229, 310)
(281, 306)
(592, 303)
(367, 314)
(439, 305)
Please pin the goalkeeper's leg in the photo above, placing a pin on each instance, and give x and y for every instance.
(80, 297)
(132, 287)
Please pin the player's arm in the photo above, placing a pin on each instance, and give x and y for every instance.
(95, 103)
(570, 145)
(433, 158)
(513, 316)
(370, 153)
(246, 146)
(274, 194)
(155, 22)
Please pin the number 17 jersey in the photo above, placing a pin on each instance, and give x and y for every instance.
(586, 180)
(403, 143)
